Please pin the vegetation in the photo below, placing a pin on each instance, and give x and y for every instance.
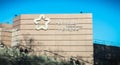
(19, 55)
(12, 56)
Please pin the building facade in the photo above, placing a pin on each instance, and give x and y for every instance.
(65, 34)
(6, 34)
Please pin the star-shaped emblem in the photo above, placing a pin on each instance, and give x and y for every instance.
(41, 18)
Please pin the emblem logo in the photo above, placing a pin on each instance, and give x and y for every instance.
(42, 19)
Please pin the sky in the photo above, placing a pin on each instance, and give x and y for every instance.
(106, 13)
